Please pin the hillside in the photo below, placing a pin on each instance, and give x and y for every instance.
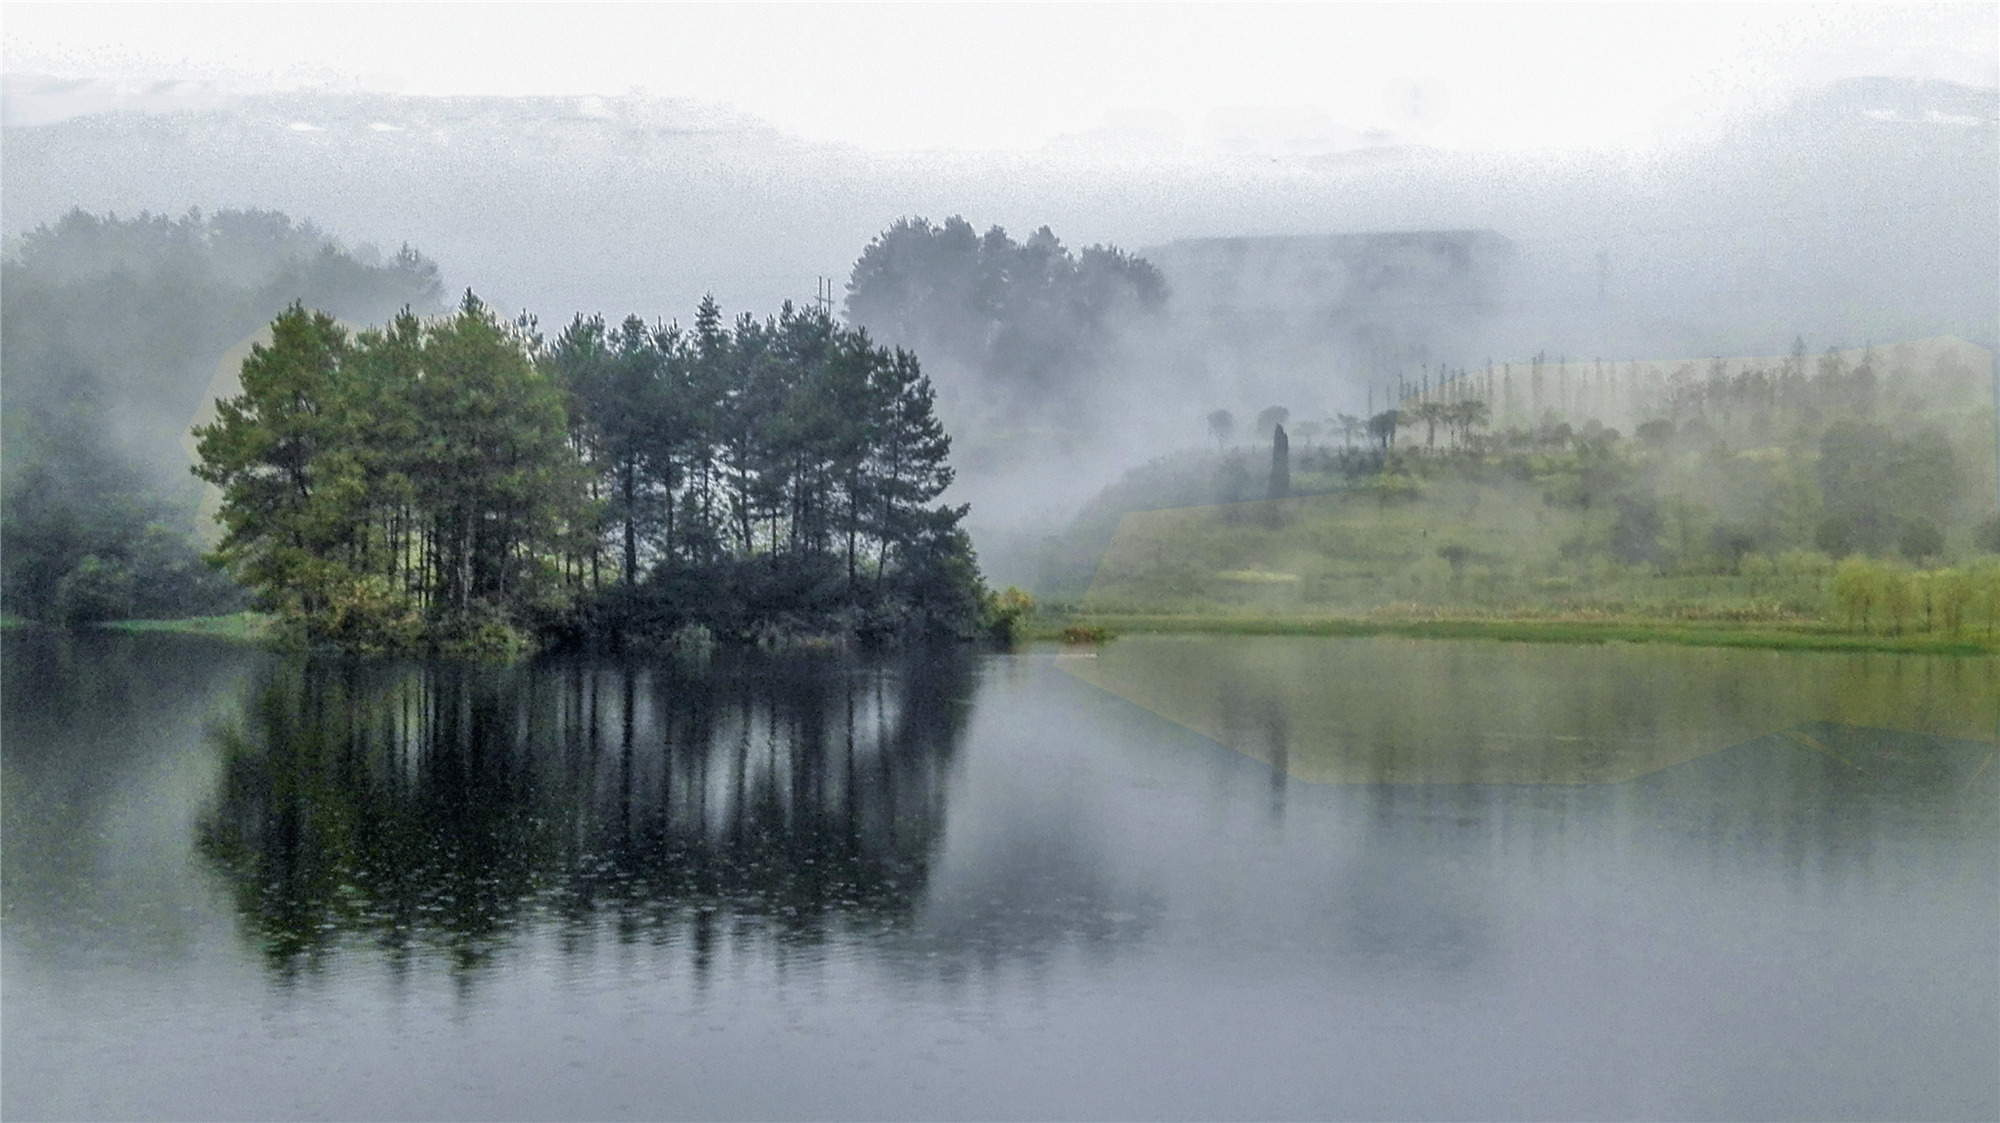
(1734, 498)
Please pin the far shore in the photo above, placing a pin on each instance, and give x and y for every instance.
(1785, 636)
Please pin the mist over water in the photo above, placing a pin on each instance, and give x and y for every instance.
(1733, 386)
(951, 885)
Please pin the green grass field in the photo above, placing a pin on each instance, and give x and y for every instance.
(1463, 548)
(1459, 559)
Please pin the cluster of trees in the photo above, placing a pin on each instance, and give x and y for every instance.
(460, 485)
(1792, 391)
(1460, 419)
(1030, 322)
(1761, 398)
(1873, 595)
(774, 473)
(110, 333)
(404, 487)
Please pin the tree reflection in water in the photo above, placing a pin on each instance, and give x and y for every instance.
(436, 808)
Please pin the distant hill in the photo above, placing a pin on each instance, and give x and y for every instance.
(1864, 208)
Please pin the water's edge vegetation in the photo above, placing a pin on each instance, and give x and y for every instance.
(1090, 628)
(1798, 636)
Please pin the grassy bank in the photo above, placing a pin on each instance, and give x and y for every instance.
(1799, 636)
(250, 627)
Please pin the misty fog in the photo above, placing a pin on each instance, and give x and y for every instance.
(1045, 561)
(1865, 211)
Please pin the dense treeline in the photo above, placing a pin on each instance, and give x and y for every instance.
(462, 485)
(1027, 325)
(766, 476)
(109, 335)
(401, 488)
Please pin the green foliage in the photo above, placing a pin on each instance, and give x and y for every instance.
(764, 478)
(405, 489)
(1736, 502)
(1920, 539)
(109, 335)
(1878, 482)
(94, 591)
(1635, 536)
(1031, 318)
(1007, 612)
(1884, 598)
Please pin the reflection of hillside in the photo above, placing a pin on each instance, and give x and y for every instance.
(1400, 711)
(450, 809)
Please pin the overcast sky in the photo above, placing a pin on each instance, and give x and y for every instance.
(909, 77)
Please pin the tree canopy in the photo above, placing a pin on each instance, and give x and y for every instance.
(408, 487)
(458, 484)
(1028, 319)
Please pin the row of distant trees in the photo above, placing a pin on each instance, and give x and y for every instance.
(1457, 418)
(1879, 597)
(1024, 333)
(1762, 393)
(457, 484)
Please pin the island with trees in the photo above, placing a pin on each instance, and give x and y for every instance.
(464, 486)
(459, 483)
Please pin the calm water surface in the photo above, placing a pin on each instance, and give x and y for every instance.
(1189, 877)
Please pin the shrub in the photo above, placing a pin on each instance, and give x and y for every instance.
(370, 616)
(691, 644)
(93, 591)
(1004, 612)
(1863, 591)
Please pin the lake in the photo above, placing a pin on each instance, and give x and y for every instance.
(1178, 877)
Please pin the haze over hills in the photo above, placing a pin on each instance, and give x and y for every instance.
(1867, 207)
(1867, 210)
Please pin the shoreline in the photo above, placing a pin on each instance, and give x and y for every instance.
(259, 628)
(1692, 633)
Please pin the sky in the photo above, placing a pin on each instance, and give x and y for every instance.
(920, 78)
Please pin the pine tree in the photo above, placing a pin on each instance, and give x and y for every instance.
(268, 450)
